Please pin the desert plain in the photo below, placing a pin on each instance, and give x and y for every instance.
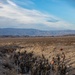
(48, 46)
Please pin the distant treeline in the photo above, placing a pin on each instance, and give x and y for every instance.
(13, 36)
(69, 35)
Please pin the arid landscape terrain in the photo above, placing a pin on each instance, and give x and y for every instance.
(48, 46)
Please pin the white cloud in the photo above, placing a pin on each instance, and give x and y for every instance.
(26, 18)
(11, 3)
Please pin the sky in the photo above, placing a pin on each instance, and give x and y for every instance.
(38, 14)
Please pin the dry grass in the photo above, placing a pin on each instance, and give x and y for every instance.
(49, 46)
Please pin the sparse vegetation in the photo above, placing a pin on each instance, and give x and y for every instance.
(48, 46)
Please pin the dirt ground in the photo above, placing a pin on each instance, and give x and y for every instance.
(49, 46)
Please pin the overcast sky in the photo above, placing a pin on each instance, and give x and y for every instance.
(38, 14)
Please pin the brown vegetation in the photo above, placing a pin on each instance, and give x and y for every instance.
(49, 46)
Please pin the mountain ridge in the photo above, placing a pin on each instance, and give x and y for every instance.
(34, 32)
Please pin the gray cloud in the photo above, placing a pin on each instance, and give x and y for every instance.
(53, 20)
(1, 7)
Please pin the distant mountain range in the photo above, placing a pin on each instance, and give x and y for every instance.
(34, 32)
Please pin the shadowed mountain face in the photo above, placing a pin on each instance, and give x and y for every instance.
(34, 32)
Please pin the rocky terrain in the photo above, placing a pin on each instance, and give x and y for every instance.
(48, 46)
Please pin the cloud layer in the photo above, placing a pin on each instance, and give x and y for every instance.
(12, 15)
